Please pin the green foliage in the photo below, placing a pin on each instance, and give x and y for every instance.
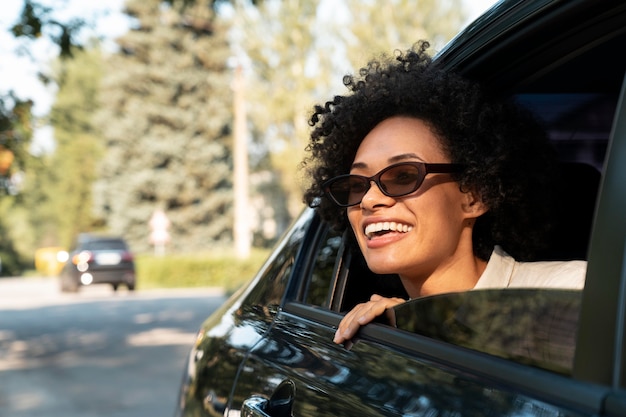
(197, 270)
(165, 121)
(25, 214)
(10, 264)
(149, 127)
(78, 148)
(35, 21)
(53, 202)
(16, 132)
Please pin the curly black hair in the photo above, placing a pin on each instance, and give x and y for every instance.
(507, 158)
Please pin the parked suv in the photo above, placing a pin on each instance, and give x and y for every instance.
(98, 260)
(269, 350)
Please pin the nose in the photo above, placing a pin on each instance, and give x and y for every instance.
(374, 197)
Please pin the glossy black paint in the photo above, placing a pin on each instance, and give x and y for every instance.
(371, 378)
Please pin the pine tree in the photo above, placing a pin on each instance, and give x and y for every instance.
(166, 119)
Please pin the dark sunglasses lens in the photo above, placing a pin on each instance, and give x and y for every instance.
(401, 180)
(348, 191)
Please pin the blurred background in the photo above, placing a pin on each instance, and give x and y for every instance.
(178, 125)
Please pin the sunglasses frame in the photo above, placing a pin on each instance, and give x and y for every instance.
(423, 169)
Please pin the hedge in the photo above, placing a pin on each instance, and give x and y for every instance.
(223, 270)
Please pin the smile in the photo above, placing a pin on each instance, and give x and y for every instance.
(379, 228)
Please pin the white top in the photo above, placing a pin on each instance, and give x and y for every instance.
(503, 272)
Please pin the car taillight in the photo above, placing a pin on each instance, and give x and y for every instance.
(127, 256)
(82, 257)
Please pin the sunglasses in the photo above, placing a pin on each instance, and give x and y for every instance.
(394, 181)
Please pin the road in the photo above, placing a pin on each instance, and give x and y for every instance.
(96, 353)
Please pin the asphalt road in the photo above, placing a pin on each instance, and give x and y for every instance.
(96, 353)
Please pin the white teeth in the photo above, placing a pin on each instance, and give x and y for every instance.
(372, 228)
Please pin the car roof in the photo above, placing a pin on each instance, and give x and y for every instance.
(87, 238)
(512, 46)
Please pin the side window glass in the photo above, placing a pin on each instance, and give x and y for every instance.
(326, 260)
(340, 279)
(535, 327)
(361, 283)
(266, 297)
(578, 126)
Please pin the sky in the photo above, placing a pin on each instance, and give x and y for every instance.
(19, 73)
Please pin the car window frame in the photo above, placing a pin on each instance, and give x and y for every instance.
(604, 296)
(537, 383)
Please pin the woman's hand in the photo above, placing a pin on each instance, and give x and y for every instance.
(362, 314)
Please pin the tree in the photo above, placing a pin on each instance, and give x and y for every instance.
(165, 121)
(299, 51)
(58, 202)
(36, 21)
(16, 132)
(166, 106)
(44, 187)
(78, 149)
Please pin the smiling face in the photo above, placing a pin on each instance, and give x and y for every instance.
(426, 236)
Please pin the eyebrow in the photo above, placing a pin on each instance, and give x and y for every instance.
(392, 160)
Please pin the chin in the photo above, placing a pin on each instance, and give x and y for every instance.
(383, 268)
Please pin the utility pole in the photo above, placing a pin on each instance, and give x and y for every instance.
(242, 233)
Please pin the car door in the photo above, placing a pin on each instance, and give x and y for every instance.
(225, 338)
(297, 369)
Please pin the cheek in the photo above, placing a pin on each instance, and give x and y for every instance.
(437, 210)
(354, 213)
(354, 218)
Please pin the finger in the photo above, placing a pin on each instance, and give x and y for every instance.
(348, 325)
(362, 314)
(372, 310)
(357, 317)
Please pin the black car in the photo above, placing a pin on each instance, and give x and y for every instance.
(506, 352)
(98, 260)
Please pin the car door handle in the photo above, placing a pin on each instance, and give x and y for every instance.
(254, 407)
(280, 404)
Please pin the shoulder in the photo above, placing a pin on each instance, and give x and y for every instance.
(503, 271)
(553, 274)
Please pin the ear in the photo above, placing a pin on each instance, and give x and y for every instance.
(473, 205)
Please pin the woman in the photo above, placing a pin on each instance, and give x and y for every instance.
(438, 180)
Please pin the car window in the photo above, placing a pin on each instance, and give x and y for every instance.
(535, 327)
(265, 298)
(361, 282)
(577, 124)
(327, 257)
(339, 277)
(105, 244)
